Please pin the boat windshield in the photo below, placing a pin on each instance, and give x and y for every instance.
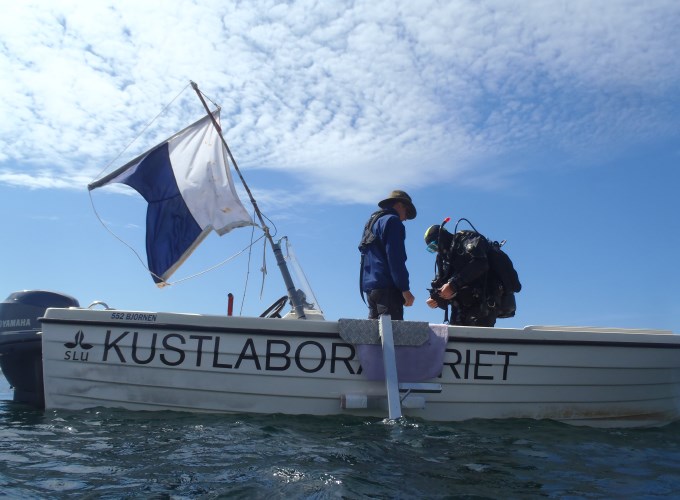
(304, 290)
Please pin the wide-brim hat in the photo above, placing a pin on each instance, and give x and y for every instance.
(404, 198)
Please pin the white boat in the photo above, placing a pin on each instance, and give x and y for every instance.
(58, 355)
(166, 361)
(87, 357)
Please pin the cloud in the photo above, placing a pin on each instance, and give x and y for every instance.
(340, 96)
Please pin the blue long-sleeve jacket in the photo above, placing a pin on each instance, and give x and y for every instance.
(385, 259)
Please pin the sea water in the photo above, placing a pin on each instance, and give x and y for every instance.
(104, 453)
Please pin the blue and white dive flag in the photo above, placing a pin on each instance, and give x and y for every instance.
(188, 185)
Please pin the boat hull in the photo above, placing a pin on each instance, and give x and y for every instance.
(201, 363)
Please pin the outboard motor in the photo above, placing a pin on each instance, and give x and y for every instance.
(20, 341)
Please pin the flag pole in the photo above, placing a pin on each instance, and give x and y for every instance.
(276, 247)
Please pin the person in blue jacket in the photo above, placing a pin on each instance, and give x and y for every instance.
(384, 277)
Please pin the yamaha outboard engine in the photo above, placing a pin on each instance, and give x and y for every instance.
(20, 341)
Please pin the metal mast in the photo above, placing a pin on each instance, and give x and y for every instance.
(276, 248)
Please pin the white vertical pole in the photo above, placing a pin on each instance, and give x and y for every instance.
(390, 364)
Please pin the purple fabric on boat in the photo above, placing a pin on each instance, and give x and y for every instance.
(414, 363)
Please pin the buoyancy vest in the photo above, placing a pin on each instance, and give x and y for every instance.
(367, 239)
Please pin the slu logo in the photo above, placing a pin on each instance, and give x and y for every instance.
(78, 342)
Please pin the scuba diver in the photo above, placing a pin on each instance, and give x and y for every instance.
(462, 278)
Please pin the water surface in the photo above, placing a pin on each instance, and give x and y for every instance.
(122, 454)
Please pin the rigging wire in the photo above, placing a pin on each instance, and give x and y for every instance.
(263, 269)
(146, 127)
(220, 263)
(94, 209)
(250, 253)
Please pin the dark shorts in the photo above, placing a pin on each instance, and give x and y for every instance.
(385, 301)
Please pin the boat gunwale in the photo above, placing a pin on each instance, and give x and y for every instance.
(287, 332)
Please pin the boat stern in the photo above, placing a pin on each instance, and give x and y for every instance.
(20, 341)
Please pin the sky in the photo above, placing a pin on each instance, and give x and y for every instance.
(554, 125)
